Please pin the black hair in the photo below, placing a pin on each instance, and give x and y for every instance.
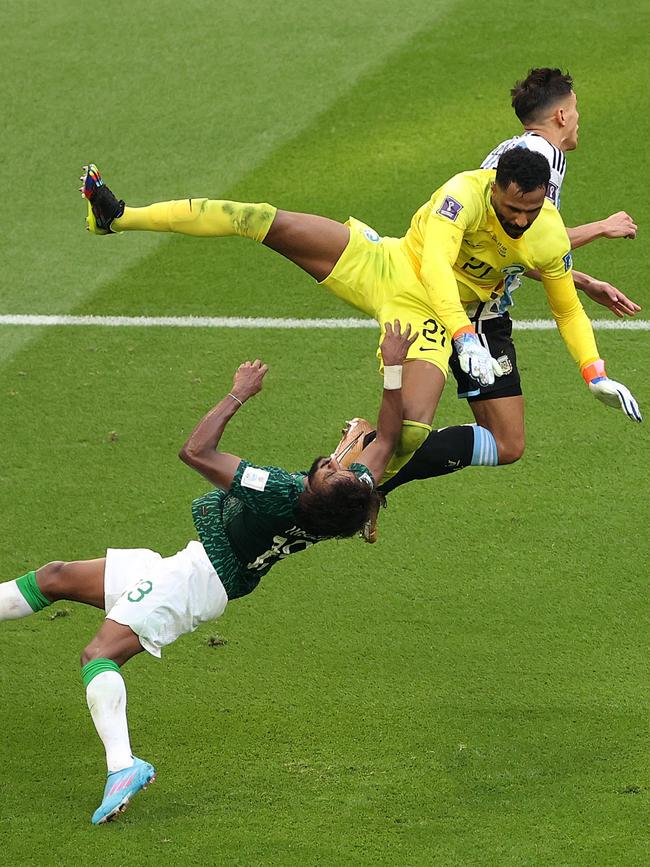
(528, 169)
(541, 88)
(337, 509)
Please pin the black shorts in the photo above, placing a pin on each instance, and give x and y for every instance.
(496, 335)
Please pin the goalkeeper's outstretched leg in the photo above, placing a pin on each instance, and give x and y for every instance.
(312, 242)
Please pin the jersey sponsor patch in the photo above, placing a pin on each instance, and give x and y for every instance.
(450, 208)
(371, 235)
(568, 261)
(254, 478)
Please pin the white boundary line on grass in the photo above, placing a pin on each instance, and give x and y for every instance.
(272, 322)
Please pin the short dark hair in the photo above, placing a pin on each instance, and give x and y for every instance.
(337, 509)
(541, 88)
(528, 169)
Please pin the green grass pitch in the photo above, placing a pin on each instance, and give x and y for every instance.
(474, 689)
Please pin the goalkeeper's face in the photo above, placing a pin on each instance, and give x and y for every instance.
(515, 210)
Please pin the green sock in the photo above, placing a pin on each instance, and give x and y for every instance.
(96, 666)
(30, 590)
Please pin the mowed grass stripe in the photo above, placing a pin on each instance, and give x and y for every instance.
(272, 322)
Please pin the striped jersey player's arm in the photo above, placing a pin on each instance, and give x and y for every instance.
(572, 321)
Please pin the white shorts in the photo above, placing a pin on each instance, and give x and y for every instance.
(160, 598)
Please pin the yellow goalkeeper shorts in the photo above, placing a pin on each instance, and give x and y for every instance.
(375, 275)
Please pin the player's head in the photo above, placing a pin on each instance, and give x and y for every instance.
(546, 98)
(519, 189)
(335, 501)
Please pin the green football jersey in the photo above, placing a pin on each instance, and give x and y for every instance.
(249, 528)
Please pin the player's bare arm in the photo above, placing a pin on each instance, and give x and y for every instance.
(619, 225)
(599, 291)
(604, 293)
(394, 349)
(200, 450)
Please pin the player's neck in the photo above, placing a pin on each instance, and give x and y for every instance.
(551, 134)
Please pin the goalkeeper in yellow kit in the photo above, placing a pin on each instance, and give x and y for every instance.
(476, 232)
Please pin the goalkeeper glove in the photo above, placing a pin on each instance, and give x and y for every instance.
(610, 392)
(474, 358)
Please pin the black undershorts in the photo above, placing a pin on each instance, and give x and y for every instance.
(496, 335)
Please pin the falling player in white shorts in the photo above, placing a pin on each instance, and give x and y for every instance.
(255, 517)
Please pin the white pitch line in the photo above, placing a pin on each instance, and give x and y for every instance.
(184, 321)
(36, 320)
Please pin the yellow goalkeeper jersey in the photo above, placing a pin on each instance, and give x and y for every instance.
(461, 255)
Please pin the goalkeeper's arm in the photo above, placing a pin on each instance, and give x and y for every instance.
(441, 247)
(578, 335)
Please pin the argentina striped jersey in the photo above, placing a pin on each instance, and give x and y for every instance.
(534, 142)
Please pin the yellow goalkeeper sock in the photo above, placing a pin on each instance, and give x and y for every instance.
(202, 218)
(414, 433)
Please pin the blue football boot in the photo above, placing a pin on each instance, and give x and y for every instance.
(121, 786)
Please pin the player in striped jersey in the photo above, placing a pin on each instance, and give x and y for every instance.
(534, 141)
(546, 105)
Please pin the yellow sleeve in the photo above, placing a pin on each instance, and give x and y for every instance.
(454, 208)
(572, 321)
(441, 246)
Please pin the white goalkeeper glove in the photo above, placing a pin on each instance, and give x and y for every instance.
(475, 359)
(610, 392)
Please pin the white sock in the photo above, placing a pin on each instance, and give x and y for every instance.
(106, 697)
(12, 602)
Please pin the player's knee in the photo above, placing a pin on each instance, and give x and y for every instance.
(283, 227)
(413, 434)
(51, 580)
(510, 451)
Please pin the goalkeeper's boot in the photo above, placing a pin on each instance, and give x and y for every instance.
(103, 205)
(369, 532)
(121, 786)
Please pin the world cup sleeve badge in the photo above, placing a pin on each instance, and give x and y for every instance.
(450, 208)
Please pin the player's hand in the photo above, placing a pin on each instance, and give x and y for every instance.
(475, 359)
(248, 379)
(611, 297)
(395, 345)
(619, 225)
(615, 394)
